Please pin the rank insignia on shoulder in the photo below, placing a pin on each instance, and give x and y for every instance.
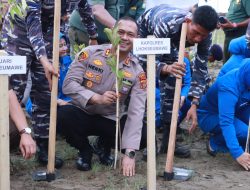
(97, 62)
(142, 80)
(107, 52)
(83, 56)
(127, 74)
(127, 61)
(89, 84)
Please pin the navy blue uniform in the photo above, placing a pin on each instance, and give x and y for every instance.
(165, 22)
(32, 37)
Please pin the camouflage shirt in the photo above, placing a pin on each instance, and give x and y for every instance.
(165, 22)
(36, 30)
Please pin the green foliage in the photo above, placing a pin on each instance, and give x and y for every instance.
(16, 9)
(77, 48)
(112, 59)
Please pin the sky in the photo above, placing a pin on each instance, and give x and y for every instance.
(219, 5)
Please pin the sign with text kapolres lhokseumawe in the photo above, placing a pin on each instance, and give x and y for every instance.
(12, 65)
(146, 46)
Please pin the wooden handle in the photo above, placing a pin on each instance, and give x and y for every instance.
(4, 134)
(172, 136)
(53, 106)
(151, 163)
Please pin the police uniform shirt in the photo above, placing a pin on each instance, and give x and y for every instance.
(89, 74)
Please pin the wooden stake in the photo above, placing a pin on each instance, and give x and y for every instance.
(172, 137)
(151, 164)
(117, 106)
(53, 106)
(4, 134)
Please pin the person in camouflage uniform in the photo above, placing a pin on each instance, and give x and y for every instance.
(106, 13)
(32, 37)
(165, 22)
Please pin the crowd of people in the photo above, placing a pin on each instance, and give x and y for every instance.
(86, 93)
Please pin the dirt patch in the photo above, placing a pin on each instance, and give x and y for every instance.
(220, 172)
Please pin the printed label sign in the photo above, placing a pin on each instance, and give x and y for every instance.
(12, 65)
(145, 46)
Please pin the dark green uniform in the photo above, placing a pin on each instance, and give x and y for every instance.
(116, 8)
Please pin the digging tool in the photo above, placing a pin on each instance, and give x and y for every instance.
(51, 175)
(170, 172)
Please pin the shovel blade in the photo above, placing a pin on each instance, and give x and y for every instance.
(39, 176)
(182, 174)
(44, 176)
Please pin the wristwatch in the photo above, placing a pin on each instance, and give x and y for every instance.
(26, 130)
(130, 154)
(195, 102)
(94, 37)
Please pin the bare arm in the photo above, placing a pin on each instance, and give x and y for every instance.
(103, 16)
(27, 144)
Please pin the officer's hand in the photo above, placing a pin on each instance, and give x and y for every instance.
(48, 69)
(93, 42)
(244, 160)
(61, 102)
(128, 166)
(176, 69)
(182, 101)
(27, 146)
(192, 114)
(108, 97)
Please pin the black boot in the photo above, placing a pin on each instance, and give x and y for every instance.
(180, 150)
(106, 158)
(104, 153)
(42, 153)
(83, 161)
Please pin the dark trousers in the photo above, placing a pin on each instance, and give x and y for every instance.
(230, 35)
(76, 125)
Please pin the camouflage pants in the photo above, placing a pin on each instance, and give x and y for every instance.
(167, 89)
(40, 93)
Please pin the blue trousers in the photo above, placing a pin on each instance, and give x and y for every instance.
(209, 123)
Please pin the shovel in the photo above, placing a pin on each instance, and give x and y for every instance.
(51, 175)
(170, 172)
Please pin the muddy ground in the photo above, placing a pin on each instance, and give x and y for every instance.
(220, 172)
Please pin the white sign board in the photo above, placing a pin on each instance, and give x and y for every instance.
(12, 65)
(145, 46)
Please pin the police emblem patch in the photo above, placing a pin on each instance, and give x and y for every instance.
(142, 80)
(83, 56)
